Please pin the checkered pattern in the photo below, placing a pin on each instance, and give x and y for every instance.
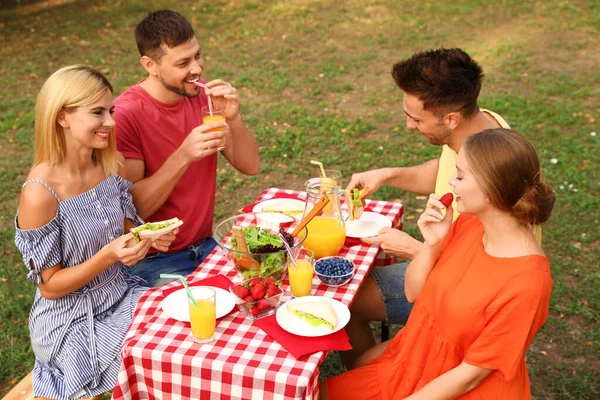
(160, 359)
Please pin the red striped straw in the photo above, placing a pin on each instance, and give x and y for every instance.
(203, 86)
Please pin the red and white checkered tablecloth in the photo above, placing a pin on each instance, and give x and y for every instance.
(160, 359)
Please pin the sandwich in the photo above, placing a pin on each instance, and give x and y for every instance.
(285, 207)
(154, 230)
(316, 313)
(356, 205)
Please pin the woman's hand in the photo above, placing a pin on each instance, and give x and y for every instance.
(433, 224)
(164, 242)
(125, 249)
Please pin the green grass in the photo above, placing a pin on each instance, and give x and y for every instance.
(314, 78)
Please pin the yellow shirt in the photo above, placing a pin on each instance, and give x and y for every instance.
(447, 169)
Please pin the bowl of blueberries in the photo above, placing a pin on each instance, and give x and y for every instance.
(334, 271)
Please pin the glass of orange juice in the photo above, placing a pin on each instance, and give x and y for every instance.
(301, 276)
(214, 115)
(203, 315)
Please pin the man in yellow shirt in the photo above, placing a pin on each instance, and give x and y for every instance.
(440, 89)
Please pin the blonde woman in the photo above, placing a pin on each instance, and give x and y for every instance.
(482, 286)
(74, 208)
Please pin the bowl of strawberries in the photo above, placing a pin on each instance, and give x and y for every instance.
(257, 297)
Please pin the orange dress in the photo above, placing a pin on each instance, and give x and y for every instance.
(475, 308)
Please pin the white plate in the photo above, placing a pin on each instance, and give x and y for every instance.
(292, 207)
(175, 305)
(302, 328)
(273, 220)
(367, 225)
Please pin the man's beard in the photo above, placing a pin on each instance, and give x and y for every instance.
(178, 90)
(441, 136)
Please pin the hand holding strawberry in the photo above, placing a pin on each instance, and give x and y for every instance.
(433, 224)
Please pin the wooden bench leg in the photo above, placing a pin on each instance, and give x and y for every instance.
(385, 332)
(84, 398)
(24, 391)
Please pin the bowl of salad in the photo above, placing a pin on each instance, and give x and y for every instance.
(261, 251)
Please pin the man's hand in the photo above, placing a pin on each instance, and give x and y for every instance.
(164, 242)
(396, 243)
(224, 96)
(373, 179)
(199, 144)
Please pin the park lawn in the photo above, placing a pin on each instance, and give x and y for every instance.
(314, 78)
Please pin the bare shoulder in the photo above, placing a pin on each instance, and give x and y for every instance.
(37, 205)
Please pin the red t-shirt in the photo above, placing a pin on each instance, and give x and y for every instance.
(149, 130)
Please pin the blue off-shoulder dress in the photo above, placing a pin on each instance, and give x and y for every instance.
(77, 338)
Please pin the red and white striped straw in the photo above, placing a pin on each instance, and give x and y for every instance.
(203, 86)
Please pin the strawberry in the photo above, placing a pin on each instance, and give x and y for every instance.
(273, 290)
(249, 299)
(244, 291)
(254, 311)
(241, 291)
(447, 199)
(263, 304)
(258, 291)
(268, 281)
(236, 290)
(254, 281)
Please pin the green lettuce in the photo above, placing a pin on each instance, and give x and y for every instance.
(270, 264)
(257, 237)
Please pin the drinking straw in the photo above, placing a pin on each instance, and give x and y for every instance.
(209, 106)
(289, 250)
(187, 288)
(200, 84)
(323, 174)
(203, 86)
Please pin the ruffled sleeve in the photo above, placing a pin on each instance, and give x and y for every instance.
(129, 210)
(512, 320)
(40, 246)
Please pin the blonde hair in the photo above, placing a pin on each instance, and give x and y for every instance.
(65, 90)
(507, 167)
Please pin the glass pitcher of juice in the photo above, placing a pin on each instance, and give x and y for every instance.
(327, 230)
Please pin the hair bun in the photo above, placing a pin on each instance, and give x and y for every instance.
(535, 206)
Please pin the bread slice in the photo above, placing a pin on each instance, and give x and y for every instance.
(356, 202)
(316, 313)
(154, 230)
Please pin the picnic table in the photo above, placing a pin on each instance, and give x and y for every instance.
(160, 360)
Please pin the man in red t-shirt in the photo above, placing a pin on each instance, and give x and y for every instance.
(170, 156)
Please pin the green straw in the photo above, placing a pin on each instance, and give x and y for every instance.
(182, 279)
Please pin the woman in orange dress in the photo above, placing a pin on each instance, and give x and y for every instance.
(482, 286)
